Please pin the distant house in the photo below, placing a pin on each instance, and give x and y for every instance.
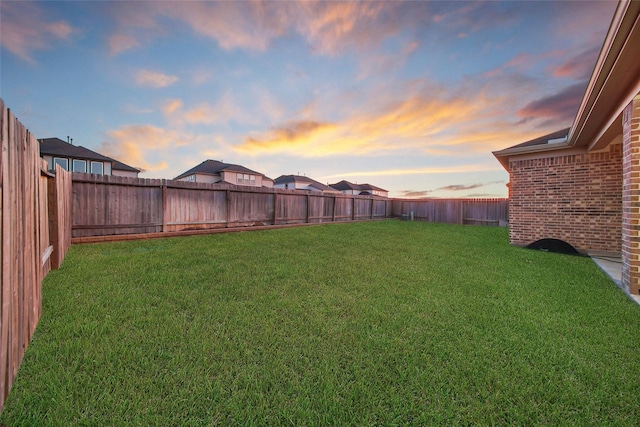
(347, 187)
(297, 182)
(76, 158)
(214, 171)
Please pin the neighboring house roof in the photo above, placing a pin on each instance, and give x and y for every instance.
(346, 185)
(119, 166)
(369, 187)
(615, 81)
(214, 167)
(60, 148)
(286, 179)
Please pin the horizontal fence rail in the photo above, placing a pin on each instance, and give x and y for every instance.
(109, 205)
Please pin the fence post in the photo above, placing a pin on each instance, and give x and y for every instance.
(54, 238)
(353, 208)
(335, 199)
(165, 204)
(307, 208)
(275, 208)
(371, 208)
(228, 193)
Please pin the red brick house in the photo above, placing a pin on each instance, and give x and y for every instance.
(581, 185)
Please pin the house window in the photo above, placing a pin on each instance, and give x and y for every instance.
(191, 178)
(64, 163)
(79, 165)
(246, 179)
(97, 168)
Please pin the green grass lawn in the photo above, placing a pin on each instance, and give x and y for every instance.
(376, 323)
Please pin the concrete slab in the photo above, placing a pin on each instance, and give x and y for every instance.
(611, 264)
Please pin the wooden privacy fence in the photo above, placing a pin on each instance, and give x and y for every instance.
(454, 211)
(35, 231)
(110, 205)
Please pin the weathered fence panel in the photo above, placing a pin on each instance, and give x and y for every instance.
(454, 211)
(250, 208)
(291, 208)
(380, 208)
(108, 205)
(487, 212)
(344, 208)
(195, 209)
(27, 250)
(320, 208)
(104, 205)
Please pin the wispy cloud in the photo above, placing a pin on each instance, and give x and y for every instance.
(133, 144)
(429, 120)
(421, 171)
(328, 27)
(25, 29)
(121, 42)
(224, 110)
(154, 79)
(412, 194)
(289, 136)
(460, 187)
(557, 109)
(579, 66)
(450, 188)
(466, 187)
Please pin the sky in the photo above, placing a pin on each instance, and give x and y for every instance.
(410, 96)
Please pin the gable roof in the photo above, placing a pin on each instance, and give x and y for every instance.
(119, 166)
(285, 179)
(614, 82)
(58, 147)
(369, 187)
(214, 167)
(346, 185)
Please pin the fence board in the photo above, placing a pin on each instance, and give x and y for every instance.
(5, 304)
(26, 245)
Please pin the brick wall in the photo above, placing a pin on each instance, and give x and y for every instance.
(631, 198)
(572, 197)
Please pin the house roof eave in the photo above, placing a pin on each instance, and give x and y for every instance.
(503, 156)
(615, 79)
